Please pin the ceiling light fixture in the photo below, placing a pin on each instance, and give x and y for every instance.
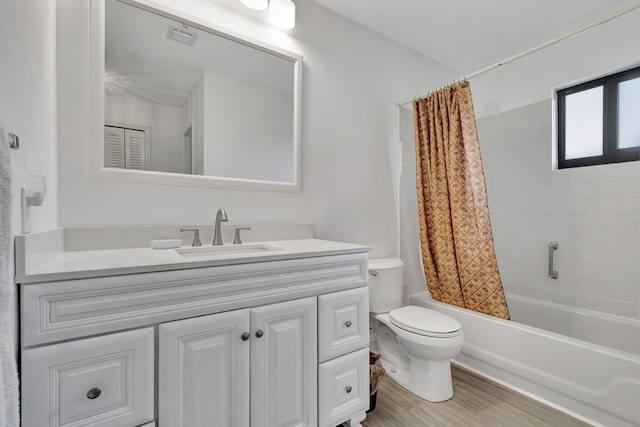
(282, 14)
(256, 4)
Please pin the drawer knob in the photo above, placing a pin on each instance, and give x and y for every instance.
(348, 323)
(259, 333)
(245, 336)
(94, 393)
(348, 389)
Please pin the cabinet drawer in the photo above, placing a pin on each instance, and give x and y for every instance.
(343, 388)
(102, 381)
(343, 322)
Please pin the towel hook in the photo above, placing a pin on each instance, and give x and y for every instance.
(14, 141)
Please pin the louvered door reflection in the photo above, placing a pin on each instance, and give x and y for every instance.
(134, 149)
(125, 148)
(113, 147)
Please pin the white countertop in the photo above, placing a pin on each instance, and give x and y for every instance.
(113, 262)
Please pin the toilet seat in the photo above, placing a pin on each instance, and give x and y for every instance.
(425, 322)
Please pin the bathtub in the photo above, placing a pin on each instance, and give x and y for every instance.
(597, 380)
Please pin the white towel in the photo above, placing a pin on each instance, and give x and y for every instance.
(9, 409)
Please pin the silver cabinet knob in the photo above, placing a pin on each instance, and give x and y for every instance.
(348, 389)
(259, 333)
(245, 336)
(347, 323)
(94, 393)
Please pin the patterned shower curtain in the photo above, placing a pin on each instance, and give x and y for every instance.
(455, 229)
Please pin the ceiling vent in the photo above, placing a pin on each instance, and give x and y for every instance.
(181, 35)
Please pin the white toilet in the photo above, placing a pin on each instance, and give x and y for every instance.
(416, 343)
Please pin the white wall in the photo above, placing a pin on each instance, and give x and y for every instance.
(248, 132)
(28, 100)
(602, 50)
(352, 80)
(165, 122)
(594, 212)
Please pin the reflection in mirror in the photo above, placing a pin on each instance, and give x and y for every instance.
(183, 100)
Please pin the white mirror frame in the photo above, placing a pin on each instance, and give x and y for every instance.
(96, 102)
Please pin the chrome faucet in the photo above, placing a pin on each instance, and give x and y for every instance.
(221, 216)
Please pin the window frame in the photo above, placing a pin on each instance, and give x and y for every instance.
(610, 151)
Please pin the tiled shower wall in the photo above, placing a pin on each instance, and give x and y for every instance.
(593, 212)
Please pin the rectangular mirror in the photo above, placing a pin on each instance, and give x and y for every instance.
(182, 98)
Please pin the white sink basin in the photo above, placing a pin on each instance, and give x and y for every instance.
(208, 251)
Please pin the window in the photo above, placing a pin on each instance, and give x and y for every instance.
(599, 121)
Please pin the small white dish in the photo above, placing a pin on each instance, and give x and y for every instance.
(166, 243)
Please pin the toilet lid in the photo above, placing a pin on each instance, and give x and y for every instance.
(424, 321)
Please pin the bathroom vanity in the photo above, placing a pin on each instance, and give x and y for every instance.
(245, 337)
(270, 333)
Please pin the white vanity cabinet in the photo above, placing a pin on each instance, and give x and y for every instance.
(263, 344)
(219, 369)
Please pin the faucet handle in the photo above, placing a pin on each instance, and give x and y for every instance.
(237, 240)
(196, 236)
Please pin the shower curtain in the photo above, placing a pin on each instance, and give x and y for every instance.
(455, 229)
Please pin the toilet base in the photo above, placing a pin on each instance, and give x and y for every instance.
(429, 380)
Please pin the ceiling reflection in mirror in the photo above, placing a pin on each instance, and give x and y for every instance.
(183, 100)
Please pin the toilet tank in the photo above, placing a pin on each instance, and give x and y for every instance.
(385, 284)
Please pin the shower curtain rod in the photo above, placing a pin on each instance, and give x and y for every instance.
(527, 52)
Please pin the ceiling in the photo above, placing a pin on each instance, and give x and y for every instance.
(141, 62)
(469, 34)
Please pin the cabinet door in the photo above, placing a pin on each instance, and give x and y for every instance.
(204, 371)
(284, 364)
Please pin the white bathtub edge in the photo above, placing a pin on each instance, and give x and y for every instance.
(560, 393)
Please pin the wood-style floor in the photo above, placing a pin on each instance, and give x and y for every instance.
(476, 402)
